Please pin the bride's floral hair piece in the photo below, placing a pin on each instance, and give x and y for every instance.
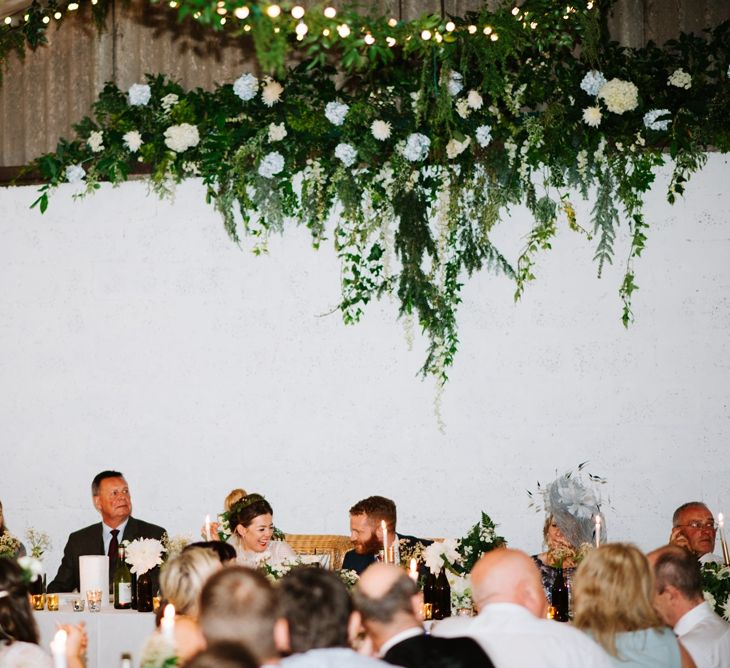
(573, 501)
(249, 507)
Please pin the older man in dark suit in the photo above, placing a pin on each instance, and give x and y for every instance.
(110, 494)
(390, 605)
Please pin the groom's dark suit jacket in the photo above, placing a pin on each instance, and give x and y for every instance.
(426, 651)
(91, 541)
(359, 562)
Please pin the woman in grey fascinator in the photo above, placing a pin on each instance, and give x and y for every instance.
(572, 505)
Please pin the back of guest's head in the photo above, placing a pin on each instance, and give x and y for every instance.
(233, 497)
(679, 568)
(316, 606)
(384, 593)
(613, 590)
(96, 482)
(182, 578)
(247, 510)
(223, 655)
(377, 508)
(238, 604)
(16, 617)
(224, 551)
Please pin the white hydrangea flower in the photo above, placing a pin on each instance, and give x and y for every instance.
(75, 173)
(132, 140)
(277, 131)
(592, 82)
(416, 147)
(271, 93)
(455, 147)
(680, 79)
(96, 141)
(139, 95)
(271, 164)
(462, 107)
(651, 122)
(246, 87)
(336, 112)
(381, 130)
(619, 95)
(484, 135)
(169, 101)
(592, 116)
(346, 153)
(455, 83)
(181, 137)
(474, 100)
(726, 609)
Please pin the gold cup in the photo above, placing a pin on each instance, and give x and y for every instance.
(427, 611)
(156, 600)
(38, 601)
(52, 602)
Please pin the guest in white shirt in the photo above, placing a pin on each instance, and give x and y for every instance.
(694, 528)
(317, 622)
(238, 604)
(678, 599)
(512, 626)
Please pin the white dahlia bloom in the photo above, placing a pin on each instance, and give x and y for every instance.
(592, 116)
(381, 130)
(132, 140)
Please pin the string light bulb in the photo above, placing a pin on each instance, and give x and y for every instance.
(297, 12)
(330, 12)
(472, 29)
(57, 16)
(369, 39)
(515, 11)
(494, 37)
(533, 25)
(326, 32)
(487, 30)
(247, 28)
(426, 35)
(223, 21)
(241, 12)
(450, 26)
(390, 41)
(8, 20)
(72, 6)
(392, 22)
(438, 38)
(301, 29)
(46, 20)
(196, 15)
(343, 30)
(222, 11)
(273, 11)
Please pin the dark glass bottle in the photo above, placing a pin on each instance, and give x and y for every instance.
(442, 596)
(122, 583)
(144, 592)
(560, 598)
(429, 595)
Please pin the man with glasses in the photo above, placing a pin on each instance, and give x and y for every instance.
(694, 528)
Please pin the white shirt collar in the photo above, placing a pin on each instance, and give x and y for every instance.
(693, 617)
(400, 637)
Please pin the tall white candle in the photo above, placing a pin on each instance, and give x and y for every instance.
(167, 623)
(413, 571)
(207, 527)
(58, 649)
(385, 540)
(598, 530)
(723, 542)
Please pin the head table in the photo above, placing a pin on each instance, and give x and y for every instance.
(111, 632)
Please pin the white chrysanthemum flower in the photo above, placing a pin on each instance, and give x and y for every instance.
(96, 141)
(132, 140)
(462, 107)
(381, 130)
(75, 173)
(474, 100)
(709, 598)
(181, 137)
(455, 83)
(726, 609)
(416, 147)
(271, 164)
(336, 112)
(619, 95)
(246, 87)
(592, 82)
(169, 101)
(347, 153)
(271, 92)
(592, 116)
(143, 554)
(455, 147)
(484, 135)
(434, 555)
(680, 79)
(651, 122)
(139, 95)
(277, 131)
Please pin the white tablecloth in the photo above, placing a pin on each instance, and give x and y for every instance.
(111, 632)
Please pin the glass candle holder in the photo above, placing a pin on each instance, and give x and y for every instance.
(38, 601)
(52, 602)
(78, 604)
(93, 600)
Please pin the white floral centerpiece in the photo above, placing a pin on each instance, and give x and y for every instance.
(174, 545)
(144, 554)
(32, 569)
(9, 545)
(38, 541)
(158, 652)
(716, 588)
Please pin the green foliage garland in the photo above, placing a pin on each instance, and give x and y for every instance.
(435, 143)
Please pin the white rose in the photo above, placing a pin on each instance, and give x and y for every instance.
(474, 100)
(139, 95)
(455, 147)
(181, 137)
(96, 141)
(132, 140)
(277, 132)
(381, 130)
(75, 173)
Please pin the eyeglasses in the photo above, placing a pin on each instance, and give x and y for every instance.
(699, 524)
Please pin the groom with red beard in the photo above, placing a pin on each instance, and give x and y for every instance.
(366, 534)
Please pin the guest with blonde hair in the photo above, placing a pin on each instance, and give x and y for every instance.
(613, 589)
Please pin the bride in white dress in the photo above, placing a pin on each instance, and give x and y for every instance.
(252, 523)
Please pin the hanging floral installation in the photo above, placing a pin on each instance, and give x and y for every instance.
(406, 143)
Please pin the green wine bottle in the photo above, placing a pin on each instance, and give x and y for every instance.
(122, 583)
